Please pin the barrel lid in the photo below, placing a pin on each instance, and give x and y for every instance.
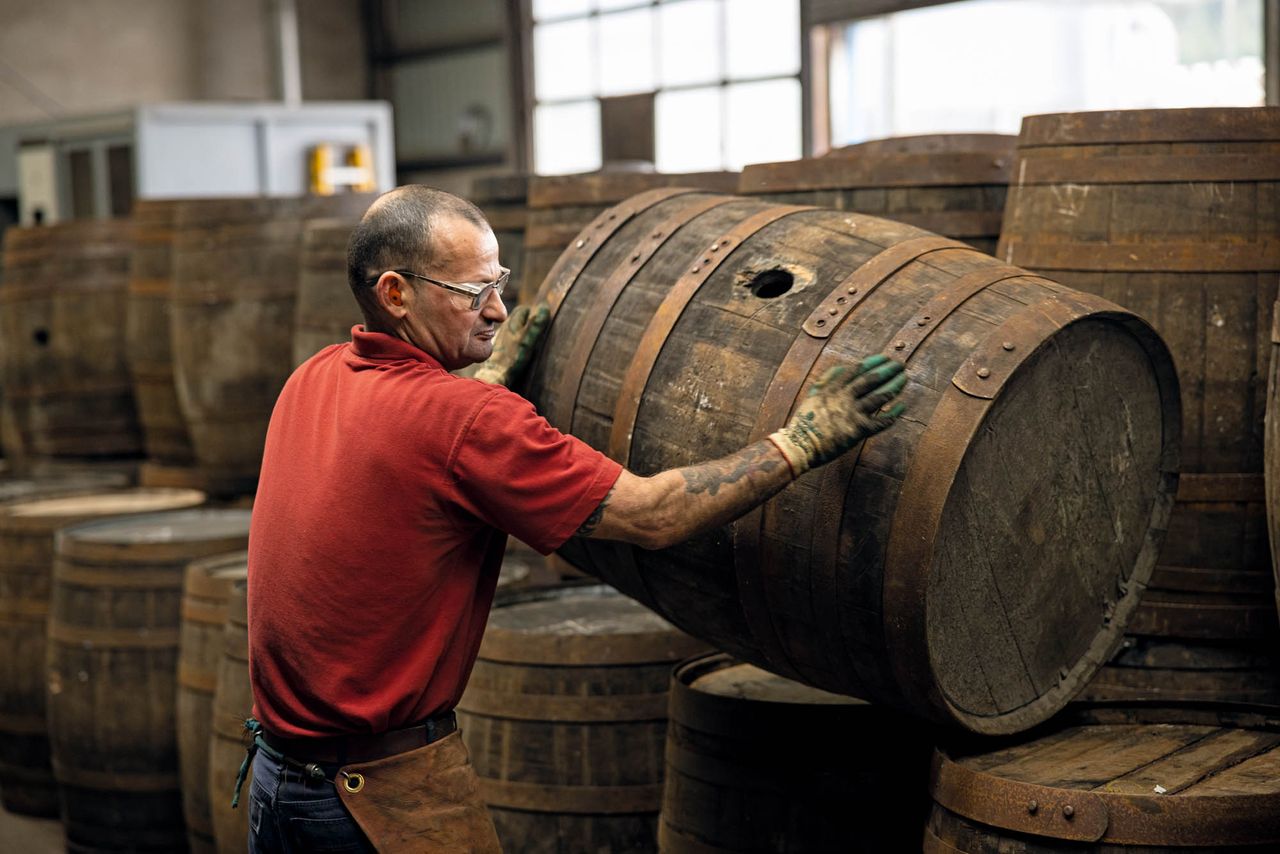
(580, 625)
(23, 489)
(1196, 124)
(180, 526)
(45, 514)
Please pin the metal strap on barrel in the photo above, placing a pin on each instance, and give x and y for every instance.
(574, 800)
(141, 637)
(117, 578)
(787, 384)
(606, 296)
(614, 708)
(113, 781)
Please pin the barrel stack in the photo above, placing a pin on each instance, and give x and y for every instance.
(326, 309)
(504, 201)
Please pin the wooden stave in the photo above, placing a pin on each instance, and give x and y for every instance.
(514, 715)
(326, 309)
(132, 802)
(725, 630)
(207, 589)
(232, 703)
(148, 347)
(68, 386)
(1271, 455)
(26, 574)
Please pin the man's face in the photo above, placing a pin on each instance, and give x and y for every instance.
(441, 322)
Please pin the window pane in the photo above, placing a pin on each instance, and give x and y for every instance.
(543, 9)
(950, 68)
(563, 60)
(626, 52)
(606, 5)
(566, 138)
(689, 42)
(763, 37)
(688, 130)
(763, 122)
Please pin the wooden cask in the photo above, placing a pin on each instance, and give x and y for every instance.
(232, 704)
(147, 336)
(687, 326)
(1117, 782)
(1174, 214)
(562, 205)
(758, 763)
(954, 185)
(565, 715)
(27, 531)
(236, 271)
(26, 488)
(504, 201)
(62, 315)
(205, 595)
(326, 307)
(112, 664)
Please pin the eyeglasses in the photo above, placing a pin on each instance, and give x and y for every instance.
(477, 291)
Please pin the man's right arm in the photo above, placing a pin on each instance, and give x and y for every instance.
(840, 410)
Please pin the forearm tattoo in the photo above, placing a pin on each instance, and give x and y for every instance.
(709, 477)
(589, 526)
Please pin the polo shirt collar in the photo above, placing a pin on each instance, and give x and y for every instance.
(382, 347)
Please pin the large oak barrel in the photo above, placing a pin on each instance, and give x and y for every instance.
(326, 308)
(147, 335)
(205, 596)
(112, 669)
(561, 205)
(26, 488)
(232, 704)
(953, 184)
(26, 576)
(62, 315)
(926, 570)
(565, 715)
(236, 270)
(504, 201)
(1109, 781)
(758, 763)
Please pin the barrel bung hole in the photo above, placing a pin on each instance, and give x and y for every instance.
(41, 337)
(770, 284)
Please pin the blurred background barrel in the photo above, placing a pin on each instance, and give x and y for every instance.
(147, 336)
(565, 716)
(232, 704)
(561, 205)
(504, 201)
(112, 669)
(62, 313)
(27, 531)
(206, 592)
(1174, 215)
(758, 763)
(326, 308)
(687, 327)
(952, 184)
(1271, 464)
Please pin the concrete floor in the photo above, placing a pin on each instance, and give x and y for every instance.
(18, 833)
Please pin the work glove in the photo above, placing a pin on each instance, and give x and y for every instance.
(841, 409)
(513, 345)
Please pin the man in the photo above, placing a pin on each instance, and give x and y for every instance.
(388, 488)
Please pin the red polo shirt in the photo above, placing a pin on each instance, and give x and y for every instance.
(378, 530)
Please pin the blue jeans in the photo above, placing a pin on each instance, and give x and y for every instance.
(291, 815)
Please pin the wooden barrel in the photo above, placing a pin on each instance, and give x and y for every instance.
(561, 205)
(26, 574)
(1173, 214)
(205, 594)
(26, 488)
(1114, 782)
(326, 307)
(147, 337)
(232, 704)
(565, 715)
(504, 201)
(62, 315)
(758, 763)
(688, 325)
(954, 185)
(236, 271)
(112, 673)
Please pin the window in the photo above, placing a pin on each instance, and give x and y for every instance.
(721, 79)
(981, 65)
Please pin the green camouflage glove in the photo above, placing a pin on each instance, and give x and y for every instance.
(513, 345)
(840, 410)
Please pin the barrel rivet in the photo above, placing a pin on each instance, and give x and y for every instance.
(695, 269)
(1008, 345)
(706, 260)
(841, 300)
(1063, 673)
(635, 257)
(580, 244)
(900, 345)
(852, 291)
(613, 216)
(833, 311)
(1032, 806)
(1068, 811)
(715, 247)
(656, 235)
(821, 321)
(983, 373)
(922, 321)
